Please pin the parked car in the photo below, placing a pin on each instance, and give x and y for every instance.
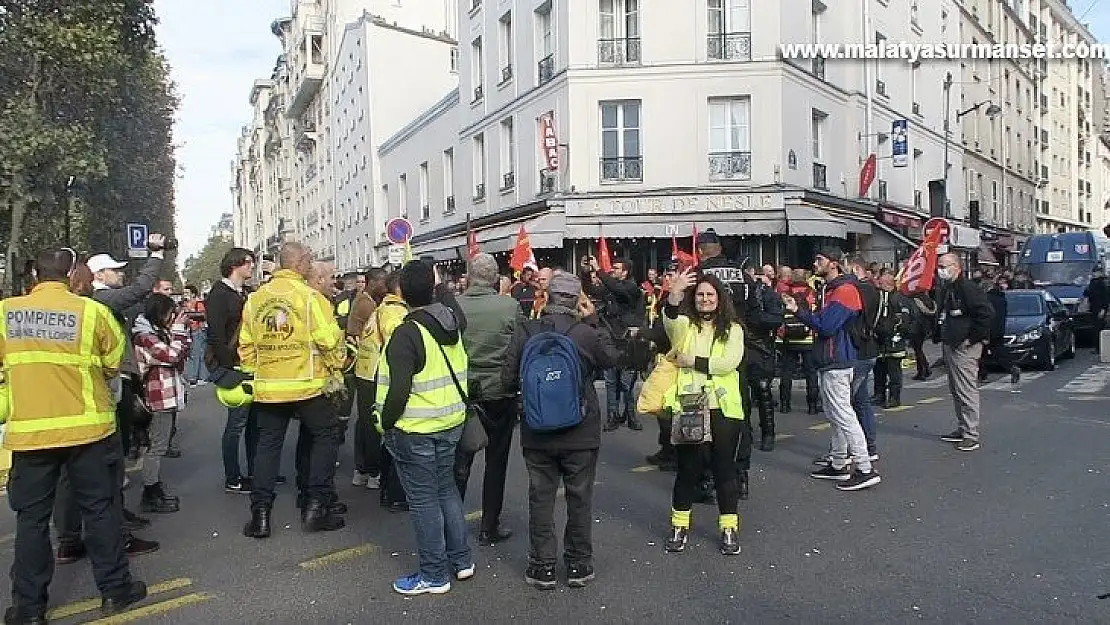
(1038, 329)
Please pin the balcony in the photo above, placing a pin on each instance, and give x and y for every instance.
(618, 51)
(309, 75)
(729, 46)
(508, 181)
(306, 136)
(730, 165)
(479, 93)
(480, 192)
(545, 69)
(820, 177)
(506, 74)
(449, 205)
(622, 169)
(547, 181)
(819, 67)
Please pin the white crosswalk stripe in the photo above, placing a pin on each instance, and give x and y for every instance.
(1000, 384)
(1093, 380)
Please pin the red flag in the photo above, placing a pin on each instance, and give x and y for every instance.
(921, 266)
(604, 261)
(867, 175)
(522, 252)
(472, 248)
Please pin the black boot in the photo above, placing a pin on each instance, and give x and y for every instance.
(613, 423)
(259, 525)
(744, 492)
(894, 400)
(121, 600)
(811, 407)
(767, 439)
(318, 517)
(784, 404)
(634, 423)
(155, 501)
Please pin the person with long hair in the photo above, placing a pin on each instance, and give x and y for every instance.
(161, 349)
(708, 347)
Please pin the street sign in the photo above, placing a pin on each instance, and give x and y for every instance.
(396, 254)
(398, 231)
(900, 142)
(136, 240)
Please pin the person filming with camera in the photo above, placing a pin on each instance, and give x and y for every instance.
(623, 312)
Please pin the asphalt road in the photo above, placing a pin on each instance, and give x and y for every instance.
(1014, 533)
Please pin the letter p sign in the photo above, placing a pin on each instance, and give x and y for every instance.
(136, 240)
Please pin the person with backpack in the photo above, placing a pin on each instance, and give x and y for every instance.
(706, 403)
(891, 329)
(867, 344)
(553, 361)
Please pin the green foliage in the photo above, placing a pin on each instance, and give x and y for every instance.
(205, 266)
(86, 113)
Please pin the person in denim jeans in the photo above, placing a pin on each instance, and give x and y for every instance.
(195, 372)
(421, 411)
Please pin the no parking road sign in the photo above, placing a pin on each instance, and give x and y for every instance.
(398, 231)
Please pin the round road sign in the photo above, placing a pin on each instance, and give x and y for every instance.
(398, 231)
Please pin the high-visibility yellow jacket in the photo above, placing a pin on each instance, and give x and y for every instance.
(59, 350)
(715, 366)
(434, 404)
(379, 328)
(289, 340)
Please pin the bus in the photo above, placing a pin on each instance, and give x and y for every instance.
(1062, 264)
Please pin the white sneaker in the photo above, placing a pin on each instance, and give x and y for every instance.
(360, 478)
(374, 482)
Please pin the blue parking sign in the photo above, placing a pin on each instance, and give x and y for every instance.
(136, 239)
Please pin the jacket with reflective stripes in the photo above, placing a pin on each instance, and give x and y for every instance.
(59, 350)
(379, 328)
(435, 404)
(722, 384)
(289, 339)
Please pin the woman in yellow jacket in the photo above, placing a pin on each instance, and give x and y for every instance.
(708, 348)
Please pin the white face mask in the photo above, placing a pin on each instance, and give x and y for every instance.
(946, 273)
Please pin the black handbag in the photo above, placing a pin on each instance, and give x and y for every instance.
(474, 437)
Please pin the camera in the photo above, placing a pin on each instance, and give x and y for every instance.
(169, 245)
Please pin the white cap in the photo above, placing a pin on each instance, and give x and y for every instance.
(100, 262)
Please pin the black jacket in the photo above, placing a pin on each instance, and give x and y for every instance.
(1098, 292)
(598, 353)
(964, 313)
(224, 306)
(732, 276)
(624, 304)
(405, 350)
(867, 344)
(997, 298)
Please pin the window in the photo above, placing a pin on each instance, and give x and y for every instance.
(425, 208)
(620, 142)
(817, 137)
(403, 195)
(476, 69)
(818, 67)
(454, 60)
(880, 85)
(449, 180)
(730, 25)
(508, 149)
(994, 198)
(479, 168)
(545, 68)
(619, 41)
(914, 73)
(505, 45)
(730, 156)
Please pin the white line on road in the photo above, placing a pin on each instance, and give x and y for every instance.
(1093, 380)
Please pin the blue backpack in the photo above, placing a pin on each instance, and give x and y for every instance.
(551, 381)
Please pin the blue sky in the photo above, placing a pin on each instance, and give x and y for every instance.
(216, 48)
(1098, 17)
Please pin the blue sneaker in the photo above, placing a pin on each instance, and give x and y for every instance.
(415, 584)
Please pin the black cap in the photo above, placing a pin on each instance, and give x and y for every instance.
(707, 237)
(832, 253)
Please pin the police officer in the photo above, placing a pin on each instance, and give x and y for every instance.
(59, 351)
(290, 341)
(796, 344)
(763, 315)
(892, 329)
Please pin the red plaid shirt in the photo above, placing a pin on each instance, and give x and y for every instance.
(161, 366)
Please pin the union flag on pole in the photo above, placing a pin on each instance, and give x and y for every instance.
(522, 252)
(920, 269)
(604, 260)
(472, 248)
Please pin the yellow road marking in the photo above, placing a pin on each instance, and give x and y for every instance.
(88, 605)
(474, 516)
(930, 400)
(898, 409)
(820, 426)
(647, 468)
(783, 437)
(338, 556)
(154, 609)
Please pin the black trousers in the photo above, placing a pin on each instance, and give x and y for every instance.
(368, 443)
(95, 472)
(917, 341)
(576, 470)
(501, 419)
(792, 358)
(316, 459)
(665, 424)
(747, 439)
(888, 376)
(727, 434)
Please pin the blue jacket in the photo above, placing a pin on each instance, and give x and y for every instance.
(841, 308)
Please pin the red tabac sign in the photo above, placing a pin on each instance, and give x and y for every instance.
(549, 143)
(867, 175)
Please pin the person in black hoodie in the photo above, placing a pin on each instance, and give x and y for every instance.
(996, 346)
(623, 312)
(867, 344)
(570, 455)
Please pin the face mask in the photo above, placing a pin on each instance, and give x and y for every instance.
(946, 274)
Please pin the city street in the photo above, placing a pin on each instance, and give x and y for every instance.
(1013, 533)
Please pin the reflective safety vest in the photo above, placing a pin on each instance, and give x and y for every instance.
(289, 339)
(385, 319)
(725, 388)
(434, 404)
(59, 351)
(343, 308)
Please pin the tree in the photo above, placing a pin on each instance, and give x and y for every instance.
(205, 266)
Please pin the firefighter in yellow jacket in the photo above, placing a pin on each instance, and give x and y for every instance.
(59, 350)
(291, 343)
